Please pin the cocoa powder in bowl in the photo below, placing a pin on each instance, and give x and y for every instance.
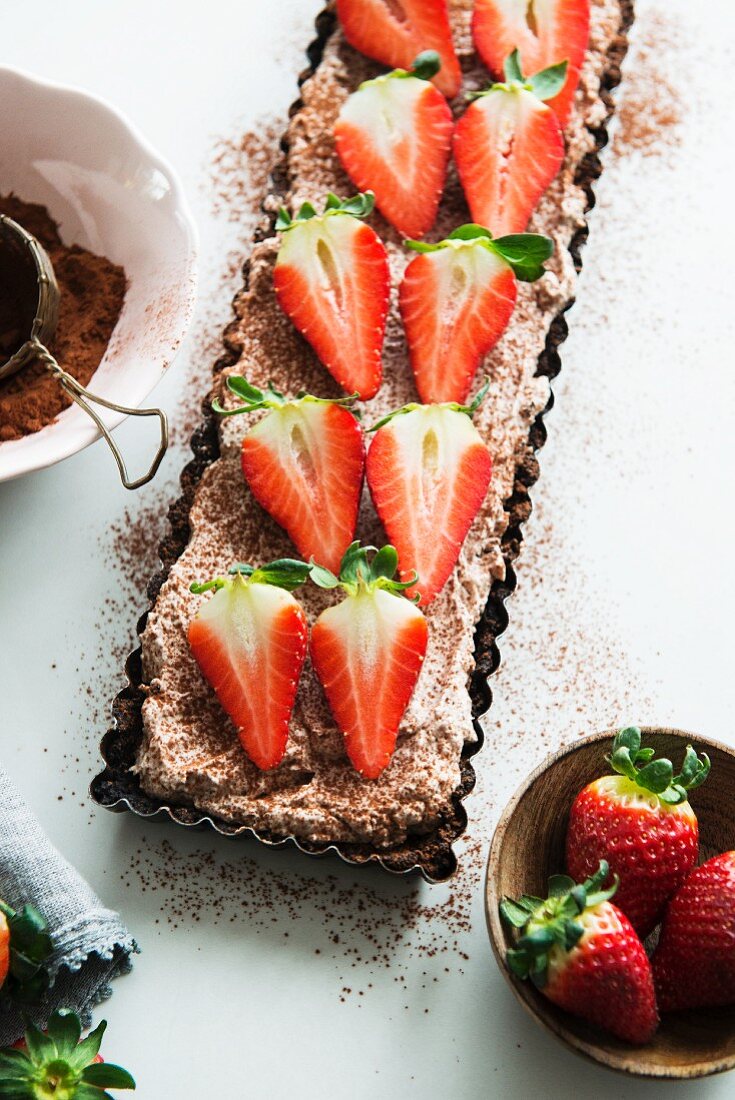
(91, 295)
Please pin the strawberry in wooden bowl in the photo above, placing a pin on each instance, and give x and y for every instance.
(529, 846)
(640, 820)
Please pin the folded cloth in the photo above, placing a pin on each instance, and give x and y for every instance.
(91, 944)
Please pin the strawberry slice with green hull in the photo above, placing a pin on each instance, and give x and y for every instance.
(640, 821)
(367, 652)
(508, 147)
(332, 279)
(250, 642)
(305, 458)
(694, 964)
(544, 32)
(428, 472)
(583, 953)
(395, 31)
(456, 299)
(394, 136)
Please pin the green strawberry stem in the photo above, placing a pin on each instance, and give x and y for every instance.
(657, 776)
(30, 947)
(524, 252)
(286, 573)
(551, 922)
(253, 398)
(469, 410)
(56, 1066)
(359, 206)
(359, 572)
(544, 85)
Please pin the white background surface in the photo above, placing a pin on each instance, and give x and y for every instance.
(624, 609)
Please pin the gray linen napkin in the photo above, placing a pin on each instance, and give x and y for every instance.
(91, 944)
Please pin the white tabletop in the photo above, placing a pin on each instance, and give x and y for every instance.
(624, 609)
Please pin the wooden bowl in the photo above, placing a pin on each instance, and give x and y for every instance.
(528, 846)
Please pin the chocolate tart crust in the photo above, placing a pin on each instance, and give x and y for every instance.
(117, 788)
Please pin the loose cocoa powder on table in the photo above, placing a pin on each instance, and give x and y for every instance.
(92, 291)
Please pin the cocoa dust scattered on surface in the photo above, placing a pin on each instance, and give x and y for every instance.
(650, 106)
(91, 295)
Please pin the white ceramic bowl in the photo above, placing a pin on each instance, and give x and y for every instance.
(110, 192)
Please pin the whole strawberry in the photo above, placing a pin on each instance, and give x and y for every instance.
(694, 965)
(583, 954)
(55, 1064)
(641, 822)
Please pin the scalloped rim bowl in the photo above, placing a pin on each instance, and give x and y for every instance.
(110, 192)
(528, 846)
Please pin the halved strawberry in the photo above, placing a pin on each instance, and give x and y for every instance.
(394, 136)
(582, 952)
(456, 299)
(544, 32)
(368, 651)
(333, 281)
(250, 642)
(640, 821)
(508, 146)
(395, 31)
(428, 472)
(305, 459)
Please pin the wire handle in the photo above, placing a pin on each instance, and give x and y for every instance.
(82, 397)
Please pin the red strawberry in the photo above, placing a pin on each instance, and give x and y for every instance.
(55, 1063)
(395, 31)
(367, 651)
(544, 33)
(333, 281)
(306, 458)
(640, 821)
(508, 146)
(456, 299)
(394, 136)
(25, 946)
(250, 642)
(428, 472)
(584, 955)
(694, 965)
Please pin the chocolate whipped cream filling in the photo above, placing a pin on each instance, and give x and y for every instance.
(190, 752)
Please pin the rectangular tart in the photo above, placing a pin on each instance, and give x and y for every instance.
(173, 749)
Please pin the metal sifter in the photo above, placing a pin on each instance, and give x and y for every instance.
(26, 267)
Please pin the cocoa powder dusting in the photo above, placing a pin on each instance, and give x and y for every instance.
(649, 110)
(92, 291)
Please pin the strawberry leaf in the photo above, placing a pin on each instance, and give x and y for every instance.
(106, 1075)
(549, 82)
(426, 65)
(694, 770)
(526, 253)
(323, 577)
(470, 232)
(384, 564)
(512, 68)
(65, 1028)
(286, 573)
